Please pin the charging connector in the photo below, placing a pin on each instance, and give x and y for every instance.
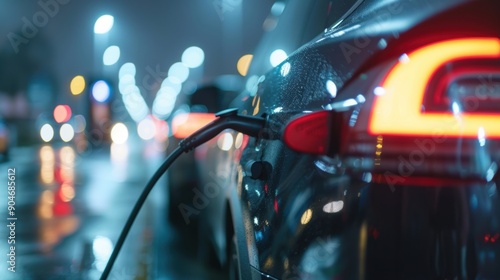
(227, 119)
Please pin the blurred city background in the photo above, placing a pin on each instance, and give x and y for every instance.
(89, 92)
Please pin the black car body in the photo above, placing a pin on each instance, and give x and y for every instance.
(387, 167)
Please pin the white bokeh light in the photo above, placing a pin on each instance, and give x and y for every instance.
(146, 129)
(111, 55)
(333, 206)
(119, 133)
(225, 141)
(101, 91)
(66, 132)
(178, 72)
(277, 57)
(164, 102)
(47, 132)
(102, 249)
(193, 57)
(125, 82)
(135, 104)
(278, 8)
(285, 69)
(104, 24)
(331, 87)
(127, 69)
(169, 83)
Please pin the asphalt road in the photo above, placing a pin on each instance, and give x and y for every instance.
(70, 207)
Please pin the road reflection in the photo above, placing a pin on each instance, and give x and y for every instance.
(54, 209)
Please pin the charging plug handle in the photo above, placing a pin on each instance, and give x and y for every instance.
(227, 119)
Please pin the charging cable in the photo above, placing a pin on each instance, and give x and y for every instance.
(227, 119)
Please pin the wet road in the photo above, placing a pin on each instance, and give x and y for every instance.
(70, 208)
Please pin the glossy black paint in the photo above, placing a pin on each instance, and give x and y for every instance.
(326, 217)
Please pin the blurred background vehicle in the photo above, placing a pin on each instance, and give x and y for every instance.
(194, 111)
(388, 164)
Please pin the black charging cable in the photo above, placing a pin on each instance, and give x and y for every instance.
(227, 119)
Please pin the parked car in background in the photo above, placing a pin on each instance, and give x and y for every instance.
(387, 166)
(193, 112)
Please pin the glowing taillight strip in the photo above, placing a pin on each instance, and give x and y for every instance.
(398, 110)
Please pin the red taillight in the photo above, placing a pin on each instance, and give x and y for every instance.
(314, 133)
(397, 108)
(491, 238)
(309, 133)
(184, 125)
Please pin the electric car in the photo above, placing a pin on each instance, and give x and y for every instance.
(386, 166)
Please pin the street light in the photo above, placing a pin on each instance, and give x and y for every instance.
(111, 55)
(100, 114)
(178, 72)
(193, 57)
(104, 24)
(102, 27)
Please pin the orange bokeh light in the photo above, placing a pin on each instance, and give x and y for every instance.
(184, 125)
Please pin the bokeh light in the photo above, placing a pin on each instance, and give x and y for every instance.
(125, 82)
(101, 91)
(238, 141)
(167, 82)
(67, 192)
(119, 133)
(135, 104)
(251, 83)
(66, 132)
(67, 156)
(164, 102)
(331, 87)
(278, 8)
(270, 23)
(47, 154)
(80, 123)
(102, 249)
(111, 55)
(127, 69)
(243, 64)
(277, 57)
(146, 129)
(45, 208)
(47, 164)
(285, 69)
(77, 85)
(104, 24)
(306, 217)
(225, 141)
(62, 113)
(47, 132)
(333, 206)
(178, 72)
(193, 57)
